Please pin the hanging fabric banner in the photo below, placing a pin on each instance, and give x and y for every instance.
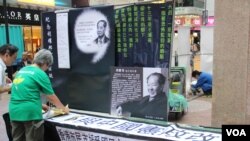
(144, 35)
(16, 37)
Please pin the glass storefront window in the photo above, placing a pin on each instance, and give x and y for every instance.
(32, 39)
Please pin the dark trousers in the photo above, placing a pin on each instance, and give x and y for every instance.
(6, 118)
(27, 130)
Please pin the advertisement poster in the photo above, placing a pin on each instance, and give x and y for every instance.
(144, 35)
(138, 92)
(85, 84)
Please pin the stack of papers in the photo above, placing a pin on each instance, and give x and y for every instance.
(53, 112)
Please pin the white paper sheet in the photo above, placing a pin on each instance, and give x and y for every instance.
(62, 40)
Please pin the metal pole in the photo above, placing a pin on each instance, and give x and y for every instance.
(206, 12)
(205, 4)
(6, 22)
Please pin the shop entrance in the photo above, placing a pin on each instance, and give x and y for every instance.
(32, 39)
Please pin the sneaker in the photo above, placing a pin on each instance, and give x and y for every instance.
(208, 95)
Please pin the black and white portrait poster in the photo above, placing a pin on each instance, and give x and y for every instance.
(86, 84)
(92, 55)
(139, 92)
(92, 39)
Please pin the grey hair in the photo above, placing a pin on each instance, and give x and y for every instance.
(42, 57)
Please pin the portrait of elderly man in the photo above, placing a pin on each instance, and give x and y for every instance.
(152, 106)
(101, 29)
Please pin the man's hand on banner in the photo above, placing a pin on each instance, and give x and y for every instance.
(119, 111)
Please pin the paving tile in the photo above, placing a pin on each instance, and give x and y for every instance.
(3, 109)
(199, 112)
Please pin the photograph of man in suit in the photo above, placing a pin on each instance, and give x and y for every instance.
(152, 106)
(101, 28)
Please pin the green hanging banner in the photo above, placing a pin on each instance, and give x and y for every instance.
(144, 35)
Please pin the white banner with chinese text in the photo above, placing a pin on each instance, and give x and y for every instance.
(120, 126)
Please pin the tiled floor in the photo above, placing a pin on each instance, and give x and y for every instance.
(199, 113)
(3, 109)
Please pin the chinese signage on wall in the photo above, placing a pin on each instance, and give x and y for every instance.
(21, 16)
(144, 35)
(39, 2)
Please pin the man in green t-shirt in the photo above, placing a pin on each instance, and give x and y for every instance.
(25, 105)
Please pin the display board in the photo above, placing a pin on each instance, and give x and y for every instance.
(138, 92)
(84, 83)
(85, 50)
(144, 35)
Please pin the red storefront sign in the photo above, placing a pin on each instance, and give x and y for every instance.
(188, 21)
(196, 22)
(210, 21)
(179, 21)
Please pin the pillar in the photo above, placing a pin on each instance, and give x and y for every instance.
(184, 54)
(231, 72)
(207, 45)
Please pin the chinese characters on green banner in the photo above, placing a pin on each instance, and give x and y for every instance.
(144, 35)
